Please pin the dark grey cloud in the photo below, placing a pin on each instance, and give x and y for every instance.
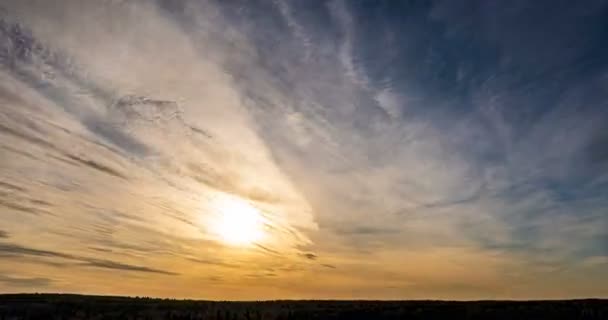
(27, 155)
(97, 166)
(107, 264)
(11, 197)
(40, 202)
(261, 275)
(201, 132)
(25, 281)
(214, 262)
(24, 136)
(8, 250)
(11, 187)
(106, 250)
(267, 250)
(309, 256)
(11, 205)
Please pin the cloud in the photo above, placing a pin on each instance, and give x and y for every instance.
(309, 256)
(25, 137)
(12, 250)
(97, 166)
(469, 131)
(213, 262)
(16, 250)
(21, 208)
(106, 264)
(25, 281)
(36, 55)
(11, 187)
(267, 250)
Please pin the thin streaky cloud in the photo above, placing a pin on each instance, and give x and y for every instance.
(385, 148)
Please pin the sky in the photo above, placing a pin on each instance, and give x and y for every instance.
(250, 150)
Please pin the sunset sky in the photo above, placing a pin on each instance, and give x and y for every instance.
(304, 149)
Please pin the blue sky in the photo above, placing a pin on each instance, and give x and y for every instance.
(390, 147)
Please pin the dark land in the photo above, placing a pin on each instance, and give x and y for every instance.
(68, 306)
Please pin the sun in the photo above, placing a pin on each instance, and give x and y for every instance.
(238, 222)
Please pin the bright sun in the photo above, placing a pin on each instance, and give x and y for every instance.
(238, 222)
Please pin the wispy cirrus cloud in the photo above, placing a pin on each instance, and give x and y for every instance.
(24, 281)
(8, 250)
(379, 140)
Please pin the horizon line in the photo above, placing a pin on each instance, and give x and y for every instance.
(298, 300)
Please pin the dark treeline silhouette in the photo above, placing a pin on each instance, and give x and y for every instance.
(64, 307)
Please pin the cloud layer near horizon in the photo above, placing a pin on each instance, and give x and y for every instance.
(393, 148)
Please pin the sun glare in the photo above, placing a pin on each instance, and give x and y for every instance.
(238, 222)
